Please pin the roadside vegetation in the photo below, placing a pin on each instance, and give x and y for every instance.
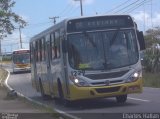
(151, 65)
(151, 79)
(151, 59)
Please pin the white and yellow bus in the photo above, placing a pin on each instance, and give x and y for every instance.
(88, 57)
(21, 60)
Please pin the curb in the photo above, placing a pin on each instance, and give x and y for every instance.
(36, 102)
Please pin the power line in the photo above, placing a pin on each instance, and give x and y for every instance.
(81, 6)
(111, 10)
(73, 11)
(64, 10)
(127, 6)
(37, 25)
(54, 19)
(69, 10)
(151, 14)
(136, 6)
(10, 44)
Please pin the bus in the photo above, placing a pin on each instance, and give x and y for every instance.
(88, 57)
(21, 60)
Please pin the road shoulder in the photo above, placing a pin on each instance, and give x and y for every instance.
(11, 103)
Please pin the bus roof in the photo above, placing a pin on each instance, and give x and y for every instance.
(20, 50)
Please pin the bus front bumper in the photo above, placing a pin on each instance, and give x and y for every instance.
(78, 93)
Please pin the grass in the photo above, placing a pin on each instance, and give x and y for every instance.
(5, 62)
(3, 75)
(151, 79)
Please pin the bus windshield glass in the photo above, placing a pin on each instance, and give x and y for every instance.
(103, 50)
(21, 58)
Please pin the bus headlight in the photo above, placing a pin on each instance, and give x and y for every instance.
(79, 82)
(134, 77)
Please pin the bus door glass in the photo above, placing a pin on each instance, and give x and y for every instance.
(48, 62)
(33, 63)
(48, 57)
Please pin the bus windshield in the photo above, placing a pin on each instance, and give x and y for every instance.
(21, 58)
(102, 50)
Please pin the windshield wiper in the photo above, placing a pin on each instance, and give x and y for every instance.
(106, 64)
(89, 38)
(114, 37)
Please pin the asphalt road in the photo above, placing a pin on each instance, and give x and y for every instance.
(146, 102)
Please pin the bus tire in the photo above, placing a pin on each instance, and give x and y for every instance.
(13, 71)
(65, 102)
(44, 96)
(121, 98)
(60, 91)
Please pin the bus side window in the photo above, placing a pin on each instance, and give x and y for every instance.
(30, 46)
(36, 51)
(57, 45)
(52, 45)
(43, 49)
(40, 49)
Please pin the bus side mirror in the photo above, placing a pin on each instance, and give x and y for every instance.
(64, 46)
(141, 40)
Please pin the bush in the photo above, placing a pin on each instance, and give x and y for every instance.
(152, 60)
(151, 79)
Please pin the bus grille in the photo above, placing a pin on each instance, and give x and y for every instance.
(111, 82)
(106, 75)
(108, 90)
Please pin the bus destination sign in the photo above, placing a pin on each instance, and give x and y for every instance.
(99, 23)
(21, 51)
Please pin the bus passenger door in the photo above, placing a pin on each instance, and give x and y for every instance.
(50, 82)
(33, 66)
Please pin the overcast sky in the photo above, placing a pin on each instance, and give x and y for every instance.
(37, 13)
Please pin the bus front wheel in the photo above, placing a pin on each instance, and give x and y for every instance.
(61, 95)
(121, 98)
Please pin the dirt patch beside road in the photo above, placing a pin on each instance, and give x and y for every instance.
(12, 104)
(9, 102)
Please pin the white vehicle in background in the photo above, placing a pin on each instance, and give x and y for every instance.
(157, 46)
(21, 60)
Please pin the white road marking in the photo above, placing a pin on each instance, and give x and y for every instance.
(138, 99)
(6, 81)
(39, 103)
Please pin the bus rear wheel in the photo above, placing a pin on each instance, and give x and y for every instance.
(121, 98)
(43, 95)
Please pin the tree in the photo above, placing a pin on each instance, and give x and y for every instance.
(152, 36)
(8, 19)
(152, 54)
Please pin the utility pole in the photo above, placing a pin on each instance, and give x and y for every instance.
(0, 52)
(144, 18)
(0, 47)
(1, 37)
(80, 6)
(20, 37)
(54, 19)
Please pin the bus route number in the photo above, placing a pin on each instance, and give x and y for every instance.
(80, 72)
